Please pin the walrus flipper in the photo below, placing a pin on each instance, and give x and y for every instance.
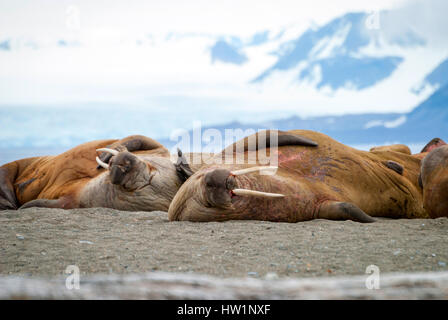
(262, 140)
(334, 210)
(433, 144)
(395, 166)
(131, 144)
(42, 203)
(183, 169)
(8, 199)
(291, 139)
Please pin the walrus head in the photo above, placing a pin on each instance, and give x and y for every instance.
(218, 194)
(143, 183)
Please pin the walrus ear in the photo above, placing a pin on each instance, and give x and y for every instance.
(182, 167)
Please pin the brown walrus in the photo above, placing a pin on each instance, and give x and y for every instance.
(328, 180)
(433, 177)
(139, 176)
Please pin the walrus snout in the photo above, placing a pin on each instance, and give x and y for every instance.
(121, 165)
(219, 184)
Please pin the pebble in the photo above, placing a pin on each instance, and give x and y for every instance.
(271, 276)
(85, 241)
(433, 254)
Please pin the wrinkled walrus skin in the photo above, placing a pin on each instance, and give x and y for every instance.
(434, 178)
(143, 180)
(330, 181)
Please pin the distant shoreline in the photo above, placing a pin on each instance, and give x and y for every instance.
(12, 154)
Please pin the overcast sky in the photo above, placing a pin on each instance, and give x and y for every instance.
(120, 72)
(25, 17)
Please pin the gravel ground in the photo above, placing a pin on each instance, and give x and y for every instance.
(43, 242)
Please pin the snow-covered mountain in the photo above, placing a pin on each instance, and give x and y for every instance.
(334, 51)
(426, 121)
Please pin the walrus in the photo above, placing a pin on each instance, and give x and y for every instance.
(321, 179)
(433, 178)
(434, 181)
(134, 173)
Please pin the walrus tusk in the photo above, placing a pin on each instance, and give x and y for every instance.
(245, 192)
(114, 152)
(248, 170)
(102, 164)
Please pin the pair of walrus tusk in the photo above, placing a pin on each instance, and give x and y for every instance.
(262, 169)
(101, 163)
(246, 192)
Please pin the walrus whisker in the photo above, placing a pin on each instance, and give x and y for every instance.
(252, 169)
(112, 151)
(102, 164)
(246, 192)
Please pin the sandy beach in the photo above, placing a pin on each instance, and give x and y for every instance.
(43, 242)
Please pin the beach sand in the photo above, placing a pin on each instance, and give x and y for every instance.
(43, 242)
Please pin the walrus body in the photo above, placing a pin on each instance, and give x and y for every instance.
(434, 178)
(73, 178)
(330, 180)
